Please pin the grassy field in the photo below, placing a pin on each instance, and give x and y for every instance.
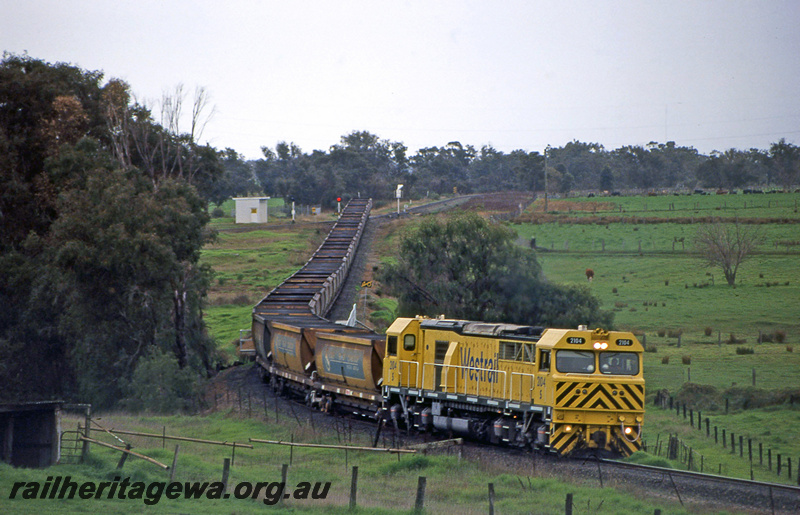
(656, 291)
(773, 205)
(386, 483)
(657, 287)
(248, 262)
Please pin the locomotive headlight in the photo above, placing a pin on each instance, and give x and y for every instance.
(568, 429)
(600, 345)
(628, 430)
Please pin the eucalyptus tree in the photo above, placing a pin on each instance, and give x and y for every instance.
(467, 267)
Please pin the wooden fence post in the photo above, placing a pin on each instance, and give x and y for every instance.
(491, 498)
(226, 470)
(174, 464)
(284, 475)
(420, 502)
(353, 488)
(124, 456)
(86, 432)
(568, 505)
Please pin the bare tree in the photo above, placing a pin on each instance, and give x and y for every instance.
(727, 245)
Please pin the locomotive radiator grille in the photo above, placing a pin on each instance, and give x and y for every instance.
(608, 396)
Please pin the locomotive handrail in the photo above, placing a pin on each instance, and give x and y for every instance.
(446, 369)
(522, 374)
(400, 373)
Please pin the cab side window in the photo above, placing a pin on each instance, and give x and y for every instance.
(409, 342)
(544, 361)
(391, 345)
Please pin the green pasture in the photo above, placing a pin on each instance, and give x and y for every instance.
(655, 291)
(774, 429)
(767, 205)
(386, 482)
(247, 264)
(643, 237)
(719, 365)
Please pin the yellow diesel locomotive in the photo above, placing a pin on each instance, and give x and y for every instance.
(569, 391)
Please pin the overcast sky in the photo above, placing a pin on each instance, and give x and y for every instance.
(512, 74)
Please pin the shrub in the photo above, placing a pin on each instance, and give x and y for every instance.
(217, 212)
(788, 348)
(674, 333)
(708, 331)
(159, 385)
(745, 350)
(415, 463)
(780, 336)
(732, 339)
(665, 360)
(241, 300)
(662, 332)
(619, 304)
(651, 348)
(614, 290)
(700, 396)
(765, 338)
(752, 398)
(686, 360)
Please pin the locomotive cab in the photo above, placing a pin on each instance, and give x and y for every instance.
(593, 381)
(403, 352)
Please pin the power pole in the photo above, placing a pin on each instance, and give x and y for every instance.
(546, 150)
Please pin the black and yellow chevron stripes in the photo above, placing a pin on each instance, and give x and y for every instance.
(564, 442)
(626, 447)
(576, 439)
(603, 396)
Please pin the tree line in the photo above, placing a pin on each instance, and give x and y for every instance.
(363, 163)
(103, 213)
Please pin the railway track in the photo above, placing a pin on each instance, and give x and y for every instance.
(693, 490)
(686, 485)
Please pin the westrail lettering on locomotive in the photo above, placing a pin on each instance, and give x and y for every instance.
(285, 343)
(474, 367)
(342, 361)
